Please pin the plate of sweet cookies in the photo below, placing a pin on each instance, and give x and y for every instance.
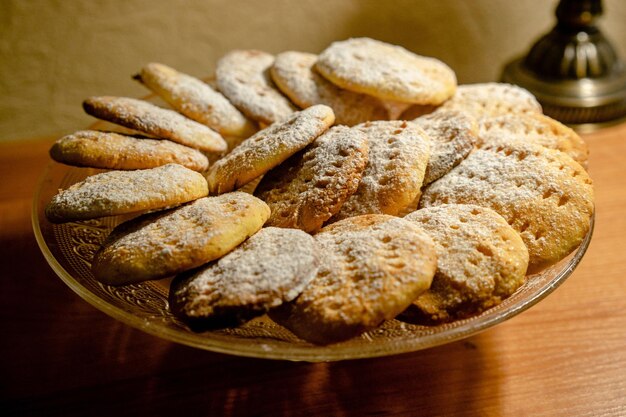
(354, 203)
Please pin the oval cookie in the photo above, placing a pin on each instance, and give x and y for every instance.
(109, 150)
(155, 121)
(122, 192)
(271, 267)
(481, 260)
(268, 148)
(310, 187)
(374, 267)
(386, 71)
(161, 244)
(398, 155)
(196, 100)
(294, 74)
(452, 137)
(543, 194)
(243, 77)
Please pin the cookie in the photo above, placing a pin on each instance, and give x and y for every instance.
(295, 76)
(268, 148)
(373, 267)
(386, 71)
(481, 260)
(536, 128)
(543, 194)
(108, 150)
(195, 99)
(243, 77)
(452, 137)
(307, 189)
(122, 192)
(155, 121)
(492, 99)
(165, 243)
(271, 267)
(398, 155)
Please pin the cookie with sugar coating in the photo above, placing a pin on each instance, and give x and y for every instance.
(109, 150)
(271, 267)
(481, 260)
(158, 245)
(123, 192)
(310, 187)
(374, 267)
(386, 71)
(268, 148)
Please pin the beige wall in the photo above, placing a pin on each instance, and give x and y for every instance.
(53, 54)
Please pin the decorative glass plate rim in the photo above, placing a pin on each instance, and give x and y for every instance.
(306, 352)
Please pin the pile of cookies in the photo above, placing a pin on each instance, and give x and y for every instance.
(331, 191)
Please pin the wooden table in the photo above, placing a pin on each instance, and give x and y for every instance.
(565, 356)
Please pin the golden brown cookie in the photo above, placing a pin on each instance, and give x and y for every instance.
(543, 194)
(155, 121)
(386, 71)
(122, 192)
(268, 148)
(243, 77)
(307, 189)
(373, 267)
(195, 99)
(481, 260)
(271, 267)
(536, 128)
(452, 136)
(492, 99)
(109, 150)
(165, 243)
(295, 76)
(398, 155)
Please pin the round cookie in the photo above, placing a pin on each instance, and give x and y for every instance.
(307, 189)
(155, 121)
(294, 75)
(374, 267)
(398, 155)
(481, 260)
(386, 71)
(543, 194)
(492, 99)
(452, 137)
(122, 192)
(165, 243)
(109, 150)
(243, 77)
(268, 148)
(536, 128)
(196, 100)
(271, 267)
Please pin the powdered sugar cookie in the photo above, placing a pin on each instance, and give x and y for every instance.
(243, 77)
(543, 194)
(108, 150)
(386, 71)
(196, 100)
(398, 155)
(268, 148)
(452, 136)
(122, 192)
(271, 267)
(155, 121)
(293, 73)
(161, 244)
(310, 187)
(374, 267)
(481, 260)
